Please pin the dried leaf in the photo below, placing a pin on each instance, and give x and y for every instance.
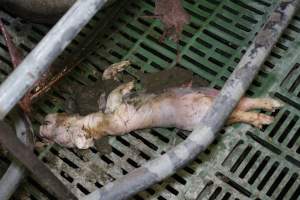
(16, 59)
(15, 54)
(173, 17)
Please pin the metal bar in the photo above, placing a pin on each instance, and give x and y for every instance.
(15, 173)
(39, 171)
(36, 63)
(164, 166)
(24, 77)
(82, 51)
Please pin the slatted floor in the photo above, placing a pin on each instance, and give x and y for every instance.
(243, 163)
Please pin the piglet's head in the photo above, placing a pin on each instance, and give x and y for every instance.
(66, 130)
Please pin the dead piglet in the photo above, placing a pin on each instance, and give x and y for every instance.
(180, 107)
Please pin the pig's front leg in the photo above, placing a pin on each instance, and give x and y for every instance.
(115, 98)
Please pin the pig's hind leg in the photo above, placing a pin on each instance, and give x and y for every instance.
(268, 104)
(253, 118)
(256, 119)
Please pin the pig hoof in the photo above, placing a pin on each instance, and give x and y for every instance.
(272, 105)
(277, 104)
(112, 71)
(261, 120)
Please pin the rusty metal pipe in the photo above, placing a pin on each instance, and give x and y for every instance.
(40, 11)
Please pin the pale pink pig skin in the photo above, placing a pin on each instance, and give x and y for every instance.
(181, 107)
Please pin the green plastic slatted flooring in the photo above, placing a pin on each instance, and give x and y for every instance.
(244, 162)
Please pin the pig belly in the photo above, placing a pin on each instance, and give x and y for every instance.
(180, 111)
(190, 110)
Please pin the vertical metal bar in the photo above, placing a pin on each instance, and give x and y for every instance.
(39, 171)
(15, 173)
(36, 63)
(235, 87)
